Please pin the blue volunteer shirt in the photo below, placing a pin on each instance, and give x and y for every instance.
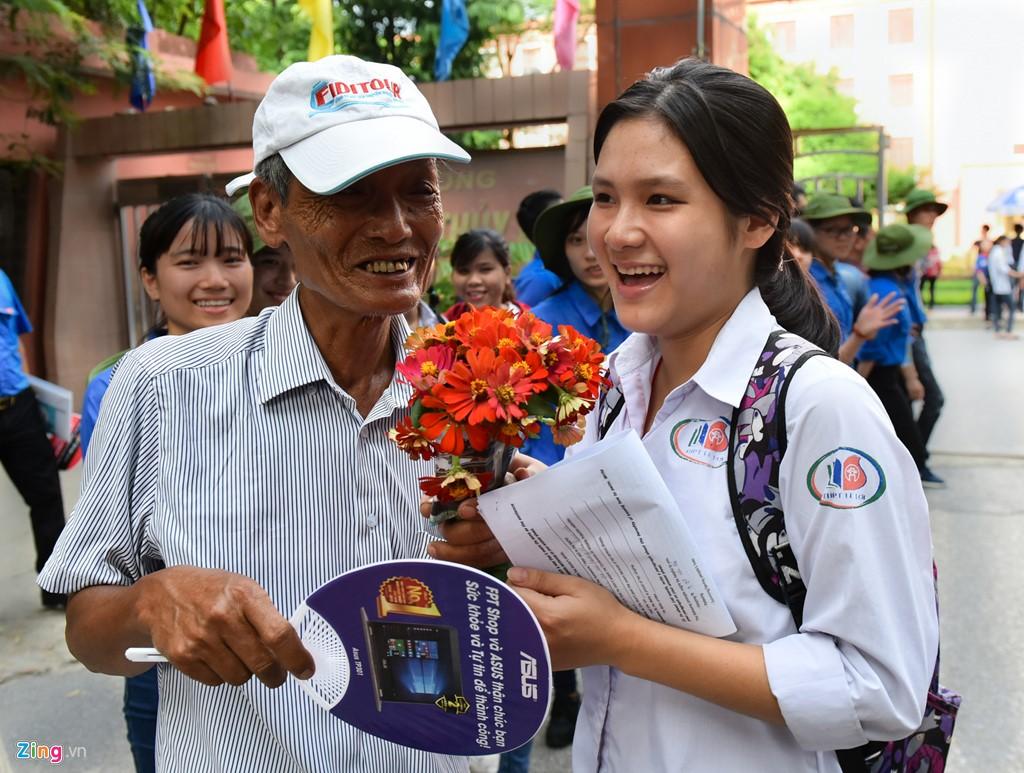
(834, 292)
(91, 405)
(574, 306)
(889, 347)
(912, 292)
(535, 283)
(14, 323)
(856, 283)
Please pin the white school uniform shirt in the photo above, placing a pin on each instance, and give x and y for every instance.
(861, 665)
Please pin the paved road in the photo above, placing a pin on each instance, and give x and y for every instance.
(977, 521)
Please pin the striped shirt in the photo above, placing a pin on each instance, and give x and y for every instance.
(234, 448)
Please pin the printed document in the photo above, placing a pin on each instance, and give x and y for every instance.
(606, 515)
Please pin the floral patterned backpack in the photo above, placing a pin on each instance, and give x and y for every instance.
(757, 442)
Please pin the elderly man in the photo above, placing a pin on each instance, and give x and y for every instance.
(236, 470)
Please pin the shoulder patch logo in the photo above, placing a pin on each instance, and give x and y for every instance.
(846, 478)
(704, 441)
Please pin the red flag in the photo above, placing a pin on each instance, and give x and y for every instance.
(213, 56)
(566, 13)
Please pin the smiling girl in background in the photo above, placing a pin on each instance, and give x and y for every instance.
(194, 262)
(482, 273)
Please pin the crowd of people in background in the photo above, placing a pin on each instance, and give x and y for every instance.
(203, 262)
(999, 274)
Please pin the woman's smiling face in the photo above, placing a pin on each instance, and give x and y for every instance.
(198, 285)
(674, 256)
(481, 282)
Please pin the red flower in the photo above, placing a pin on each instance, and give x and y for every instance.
(423, 367)
(457, 485)
(411, 439)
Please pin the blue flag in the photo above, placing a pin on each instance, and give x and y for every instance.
(454, 32)
(143, 79)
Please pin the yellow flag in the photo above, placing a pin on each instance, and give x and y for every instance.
(321, 39)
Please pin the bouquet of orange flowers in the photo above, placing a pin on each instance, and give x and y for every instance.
(484, 384)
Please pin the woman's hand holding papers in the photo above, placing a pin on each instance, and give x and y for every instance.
(584, 624)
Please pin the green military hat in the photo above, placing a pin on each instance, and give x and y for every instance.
(822, 206)
(243, 207)
(922, 197)
(552, 228)
(896, 246)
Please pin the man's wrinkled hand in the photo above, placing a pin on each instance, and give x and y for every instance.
(218, 627)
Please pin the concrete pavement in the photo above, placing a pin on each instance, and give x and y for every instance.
(978, 527)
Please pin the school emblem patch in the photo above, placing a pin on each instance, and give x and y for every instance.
(846, 478)
(704, 441)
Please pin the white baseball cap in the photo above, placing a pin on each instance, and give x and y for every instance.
(340, 118)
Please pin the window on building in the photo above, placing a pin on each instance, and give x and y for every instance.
(901, 90)
(901, 152)
(842, 31)
(845, 86)
(784, 36)
(901, 25)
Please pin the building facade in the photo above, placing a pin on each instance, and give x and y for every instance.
(942, 76)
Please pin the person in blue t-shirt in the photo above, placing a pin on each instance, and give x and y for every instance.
(535, 282)
(835, 221)
(25, 451)
(887, 361)
(194, 261)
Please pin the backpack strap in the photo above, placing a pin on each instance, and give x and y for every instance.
(757, 442)
(609, 406)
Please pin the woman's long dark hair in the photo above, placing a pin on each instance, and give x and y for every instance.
(741, 142)
(161, 228)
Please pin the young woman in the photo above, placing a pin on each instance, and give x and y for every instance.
(194, 261)
(482, 273)
(691, 208)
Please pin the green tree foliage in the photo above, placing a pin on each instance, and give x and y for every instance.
(274, 32)
(50, 43)
(812, 100)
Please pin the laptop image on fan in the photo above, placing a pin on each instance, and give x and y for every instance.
(412, 662)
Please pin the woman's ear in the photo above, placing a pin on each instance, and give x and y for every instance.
(150, 285)
(267, 212)
(757, 231)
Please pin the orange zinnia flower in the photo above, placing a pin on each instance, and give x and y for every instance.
(465, 392)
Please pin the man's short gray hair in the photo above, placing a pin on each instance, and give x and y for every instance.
(275, 173)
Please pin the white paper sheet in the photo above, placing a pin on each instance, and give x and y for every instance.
(55, 402)
(606, 515)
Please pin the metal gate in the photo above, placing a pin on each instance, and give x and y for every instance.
(834, 181)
